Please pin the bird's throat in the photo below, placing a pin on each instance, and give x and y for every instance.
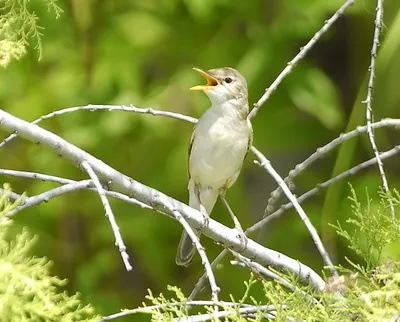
(232, 109)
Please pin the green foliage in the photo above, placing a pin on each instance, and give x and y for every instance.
(372, 232)
(18, 24)
(370, 293)
(168, 309)
(27, 291)
(362, 296)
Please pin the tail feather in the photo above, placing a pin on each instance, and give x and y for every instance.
(186, 248)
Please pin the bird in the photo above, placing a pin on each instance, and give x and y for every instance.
(218, 146)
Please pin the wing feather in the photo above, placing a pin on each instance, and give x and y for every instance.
(190, 150)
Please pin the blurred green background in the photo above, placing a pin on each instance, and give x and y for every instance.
(142, 53)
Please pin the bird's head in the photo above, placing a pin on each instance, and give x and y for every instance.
(223, 84)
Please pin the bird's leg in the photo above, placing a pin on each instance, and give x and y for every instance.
(203, 210)
(241, 235)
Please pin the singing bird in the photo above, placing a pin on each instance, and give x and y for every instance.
(218, 146)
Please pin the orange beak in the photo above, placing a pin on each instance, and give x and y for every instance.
(211, 81)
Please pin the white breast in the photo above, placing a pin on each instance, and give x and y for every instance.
(219, 147)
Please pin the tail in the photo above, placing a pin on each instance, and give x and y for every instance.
(186, 247)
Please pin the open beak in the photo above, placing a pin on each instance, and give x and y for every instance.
(211, 81)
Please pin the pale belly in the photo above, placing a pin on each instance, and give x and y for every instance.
(216, 156)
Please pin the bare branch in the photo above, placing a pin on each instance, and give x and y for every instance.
(160, 201)
(109, 214)
(149, 309)
(199, 285)
(46, 177)
(324, 150)
(266, 164)
(263, 271)
(245, 311)
(200, 249)
(368, 100)
(93, 108)
(322, 185)
(290, 65)
(46, 196)
(36, 176)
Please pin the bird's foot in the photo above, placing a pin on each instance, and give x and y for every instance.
(205, 216)
(242, 237)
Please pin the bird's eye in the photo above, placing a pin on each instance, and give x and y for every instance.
(228, 80)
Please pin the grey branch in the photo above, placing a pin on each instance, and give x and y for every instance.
(64, 181)
(200, 249)
(35, 175)
(314, 191)
(245, 311)
(109, 214)
(199, 285)
(149, 309)
(158, 200)
(298, 57)
(46, 196)
(324, 150)
(368, 100)
(107, 108)
(266, 164)
(263, 271)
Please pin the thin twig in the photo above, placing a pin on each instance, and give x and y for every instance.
(92, 108)
(387, 122)
(46, 196)
(150, 309)
(264, 163)
(200, 249)
(290, 65)
(36, 176)
(109, 214)
(199, 285)
(236, 221)
(368, 100)
(323, 185)
(259, 270)
(245, 311)
(63, 181)
(263, 271)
